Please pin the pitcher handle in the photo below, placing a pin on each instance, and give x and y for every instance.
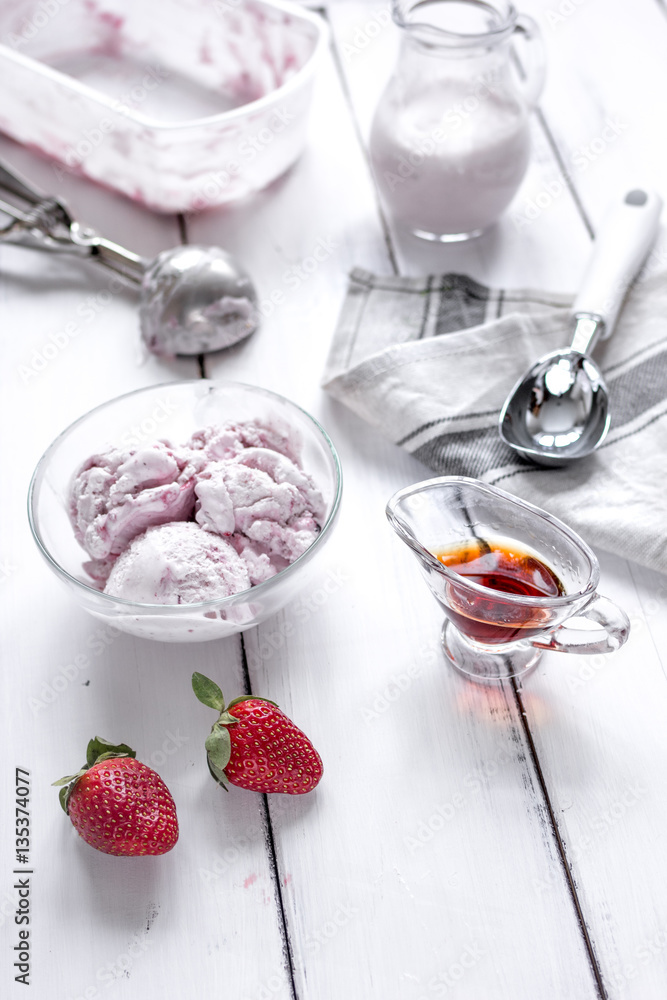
(534, 64)
(601, 611)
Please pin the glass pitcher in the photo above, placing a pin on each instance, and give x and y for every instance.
(450, 139)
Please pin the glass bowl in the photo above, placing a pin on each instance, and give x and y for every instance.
(173, 411)
(179, 104)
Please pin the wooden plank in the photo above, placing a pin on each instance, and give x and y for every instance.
(598, 726)
(407, 871)
(193, 920)
(612, 141)
(604, 734)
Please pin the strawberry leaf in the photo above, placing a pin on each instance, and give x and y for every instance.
(219, 776)
(208, 692)
(99, 748)
(69, 783)
(68, 779)
(225, 719)
(218, 747)
(112, 755)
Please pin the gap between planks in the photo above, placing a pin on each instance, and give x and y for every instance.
(288, 954)
(269, 837)
(567, 871)
(574, 194)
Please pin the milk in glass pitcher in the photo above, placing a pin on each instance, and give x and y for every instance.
(450, 139)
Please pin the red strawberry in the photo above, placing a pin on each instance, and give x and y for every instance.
(118, 805)
(254, 745)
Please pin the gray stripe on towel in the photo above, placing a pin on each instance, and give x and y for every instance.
(467, 453)
(638, 389)
(462, 303)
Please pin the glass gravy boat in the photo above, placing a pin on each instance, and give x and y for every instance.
(510, 578)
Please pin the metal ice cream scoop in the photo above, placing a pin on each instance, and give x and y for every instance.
(193, 299)
(559, 410)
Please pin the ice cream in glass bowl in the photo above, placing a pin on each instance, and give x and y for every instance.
(186, 511)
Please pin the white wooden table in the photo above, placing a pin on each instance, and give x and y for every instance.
(465, 842)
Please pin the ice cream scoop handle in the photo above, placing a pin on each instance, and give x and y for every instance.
(116, 258)
(125, 263)
(621, 245)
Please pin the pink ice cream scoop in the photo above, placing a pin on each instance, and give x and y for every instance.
(118, 494)
(260, 563)
(282, 470)
(179, 563)
(231, 438)
(262, 496)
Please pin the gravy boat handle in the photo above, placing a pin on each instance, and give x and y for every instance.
(579, 634)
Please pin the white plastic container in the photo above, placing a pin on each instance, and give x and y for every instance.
(179, 104)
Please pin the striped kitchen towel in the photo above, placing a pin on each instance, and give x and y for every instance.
(429, 362)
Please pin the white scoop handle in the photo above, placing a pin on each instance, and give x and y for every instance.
(621, 245)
